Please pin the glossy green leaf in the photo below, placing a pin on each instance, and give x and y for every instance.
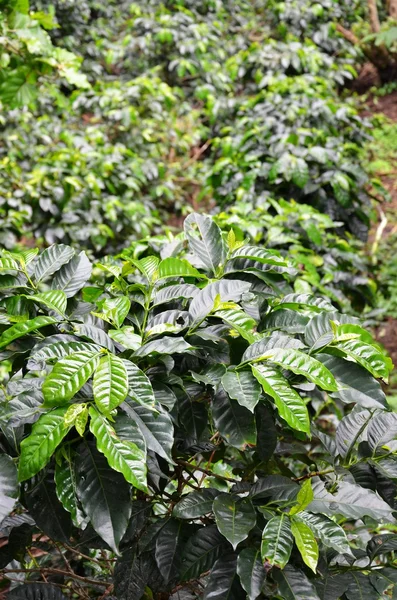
(53, 299)
(169, 549)
(58, 350)
(177, 267)
(235, 423)
(97, 483)
(294, 585)
(277, 541)
(306, 543)
(39, 446)
(201, 551)
(174, 292)
(319, 332)
(223, 582)
(225, 290)
(124, 457)
(243, 387)
(381, 429)
(73, 275)
(51, 260)
(304, 301)
(165, 345)
(139, 385)
(289, 404)
(367, 356)
(301, 364)
(234, 517)
(350, 429)
(205, 240)
(21, 329)
(355, 383)
(251, 572)
(8, 485)
(66, 485)
(110, 383)
(127, 337)
(68, 376)
(156, 427)
(195, 504)
(239, 321)
(351, 501)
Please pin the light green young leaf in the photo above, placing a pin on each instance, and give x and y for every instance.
(302, 364)
(21, 329)
(177, 267)
(306, 543)
(304, 497)
(289, 404)
(110, 383)
(37, 449)
(125, 457)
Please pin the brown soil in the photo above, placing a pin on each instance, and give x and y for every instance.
(386, 105)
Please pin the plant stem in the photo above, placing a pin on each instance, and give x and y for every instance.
(184, 463)
(51, 571)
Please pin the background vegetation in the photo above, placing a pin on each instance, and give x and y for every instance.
(191, 405)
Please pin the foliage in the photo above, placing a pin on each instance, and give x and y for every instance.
(190, 101)
(27, 55)
(245, 430)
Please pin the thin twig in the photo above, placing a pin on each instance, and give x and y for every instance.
(51, 571)
(184, 463)
(313, 474)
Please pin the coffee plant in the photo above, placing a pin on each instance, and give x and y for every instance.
(189, 102)
(28, 59)
(193, 427)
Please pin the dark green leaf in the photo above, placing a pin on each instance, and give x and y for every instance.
(277, 541)
(251, 572)
(235, 517)
(243, 387)
(201, 551)
(122, 456)
(355, 383)
(156, 427)
(73, 275)
(8, 485)
(235, 423)
(294, 585)
(108, 511)
(51, 260)
(168, 549)
(222, 581)
(195, 504)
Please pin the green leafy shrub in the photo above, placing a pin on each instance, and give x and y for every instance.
(190, 101)
(27, 56)
(327, 264)
(193, 419)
